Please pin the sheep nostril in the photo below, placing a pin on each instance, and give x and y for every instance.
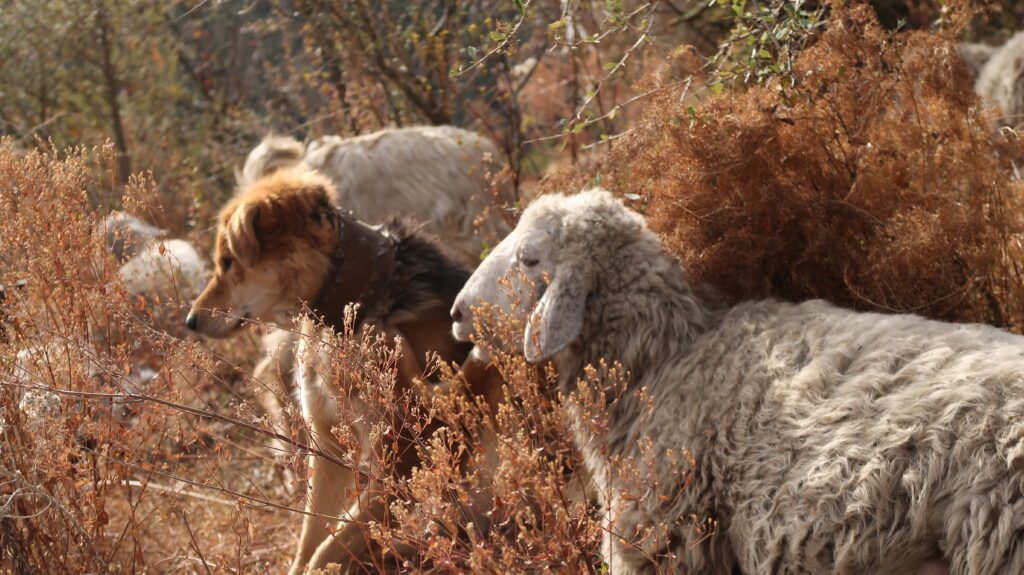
(456, 315)
(192, 320)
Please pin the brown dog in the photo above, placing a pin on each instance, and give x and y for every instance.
(281, 245)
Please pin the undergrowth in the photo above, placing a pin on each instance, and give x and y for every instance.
(866, 175)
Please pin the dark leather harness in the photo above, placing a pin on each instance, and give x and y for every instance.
(362, 266)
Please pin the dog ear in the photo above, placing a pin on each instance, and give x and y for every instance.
(558, 316)
(241, 233)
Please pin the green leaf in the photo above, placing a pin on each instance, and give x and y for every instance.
(520, 7)
(471, 50)
(497, 36)
(609, 66)
(556, 24)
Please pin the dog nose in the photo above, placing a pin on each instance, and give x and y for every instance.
(192, 320)
(456, 314)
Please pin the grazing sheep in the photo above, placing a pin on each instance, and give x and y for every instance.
(823, 440)
(162, 274)
(438, 174)
(125, 235)
(168, 274)
(1001, 81)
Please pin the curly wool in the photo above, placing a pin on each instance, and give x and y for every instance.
(824, 440)
(1001, 81)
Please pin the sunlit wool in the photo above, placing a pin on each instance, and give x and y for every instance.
(437, 174)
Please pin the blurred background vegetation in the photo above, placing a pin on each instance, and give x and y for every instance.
(185, 88)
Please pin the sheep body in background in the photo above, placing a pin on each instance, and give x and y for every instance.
(823, 440)
(124, 235)
(437, 174)
(168, 274)
(1000, 81)
(976, 56)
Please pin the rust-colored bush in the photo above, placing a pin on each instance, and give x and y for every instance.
(101, 470)
(873, 182)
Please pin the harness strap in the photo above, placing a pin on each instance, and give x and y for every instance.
(362, 266)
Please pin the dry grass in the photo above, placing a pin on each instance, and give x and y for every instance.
(96, 470)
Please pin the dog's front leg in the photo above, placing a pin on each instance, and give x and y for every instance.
(326, 497)
(352, 543)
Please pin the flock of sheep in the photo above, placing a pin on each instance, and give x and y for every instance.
(822, 440)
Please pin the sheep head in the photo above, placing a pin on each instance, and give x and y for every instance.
(543, 273)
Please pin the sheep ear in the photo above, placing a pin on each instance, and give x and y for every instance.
(558, 317)
(241, 233)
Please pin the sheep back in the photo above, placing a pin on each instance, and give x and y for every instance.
(1001, 81)
(833, 441)
(436, 174)
(168, 275)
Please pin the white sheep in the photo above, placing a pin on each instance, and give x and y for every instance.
(124, 235)
(823, 440)
(1000, 81)
(168, 275)
(439, 175)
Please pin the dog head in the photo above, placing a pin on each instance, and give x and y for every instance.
(272, 253)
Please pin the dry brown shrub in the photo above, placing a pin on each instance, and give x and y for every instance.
(874, 182)
(99, 470)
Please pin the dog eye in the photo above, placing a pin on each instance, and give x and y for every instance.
(225, 264)
(530, 262)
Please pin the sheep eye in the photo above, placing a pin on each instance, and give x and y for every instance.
(225, 264)
(530, 262)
